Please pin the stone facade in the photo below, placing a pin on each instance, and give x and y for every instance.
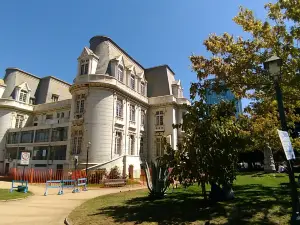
(115, 109)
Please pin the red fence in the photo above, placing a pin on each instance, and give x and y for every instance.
(34, 175)
(42, 175)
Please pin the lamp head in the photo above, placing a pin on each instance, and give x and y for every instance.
(273, 65)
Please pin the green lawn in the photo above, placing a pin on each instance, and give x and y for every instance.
(6, 195)
(260, 199)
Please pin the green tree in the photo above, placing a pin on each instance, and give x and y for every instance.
(209, 150)
(238, 63)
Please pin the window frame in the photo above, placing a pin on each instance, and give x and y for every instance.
(54, 98)
(120, 73)
(23, 137)
(143, 90)
(131, 144)
(132, 113)
(158, 147)
(84, 66)
(19, 121)
(42, 135)
(49, 116)
(77, 142)
(119, 108)
(132, 81)
(118, 143)
(141, 145)
(159, 118)
(23, 96)
(80, 104)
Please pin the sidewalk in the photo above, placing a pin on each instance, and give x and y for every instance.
(52, 209)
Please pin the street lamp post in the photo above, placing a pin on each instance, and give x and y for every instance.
(87, 159)
(273, 65)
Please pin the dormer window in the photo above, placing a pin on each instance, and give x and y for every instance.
(132, 82)
(84, 67)
(54, 98)
(23, 96)
(120, 73)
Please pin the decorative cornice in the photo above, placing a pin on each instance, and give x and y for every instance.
(112, 87)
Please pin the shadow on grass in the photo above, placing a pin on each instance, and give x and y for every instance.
(254, 204)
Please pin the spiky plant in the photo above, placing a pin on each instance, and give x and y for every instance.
(159, 181)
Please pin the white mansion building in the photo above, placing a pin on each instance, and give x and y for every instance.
(115, 109)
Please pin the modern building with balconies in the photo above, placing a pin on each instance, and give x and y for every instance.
(116, 110)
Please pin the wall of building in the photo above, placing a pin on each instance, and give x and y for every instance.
(98, 124)
(2, 89)
(5, 124)
(157, 82)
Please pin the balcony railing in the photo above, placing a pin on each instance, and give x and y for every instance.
(132, 124)
(119, 120)
(159, 127)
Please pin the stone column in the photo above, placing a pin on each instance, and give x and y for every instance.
(269, 165)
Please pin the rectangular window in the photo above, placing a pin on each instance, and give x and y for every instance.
(23, 96)
(58, 115)
(80, 103)
(77, 142)
(58, 152)
(81, 106)
(143, 88)
(141, 145)
(159, 118)
(26, 136)
(84, 67)
(42, 135)
(132, 82)
(143, 117)
(118, 142)
(159, 148)
(49, 116)
(132, 113)
(40, 153)
(13, 138)
(131, 144)
(81, 69)
(119, 108)
(120, 73)
(59, 134)
(54, 98)
(19, 121)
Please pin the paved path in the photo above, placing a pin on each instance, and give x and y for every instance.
(52, 209)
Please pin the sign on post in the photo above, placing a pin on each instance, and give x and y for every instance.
(76, 160)
(25, 157)
(286, 144)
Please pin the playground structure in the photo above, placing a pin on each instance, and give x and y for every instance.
(62, 184)
(19, 185)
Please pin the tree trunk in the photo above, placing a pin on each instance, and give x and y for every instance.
(203, 190)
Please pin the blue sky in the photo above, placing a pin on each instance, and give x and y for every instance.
(46, 37)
